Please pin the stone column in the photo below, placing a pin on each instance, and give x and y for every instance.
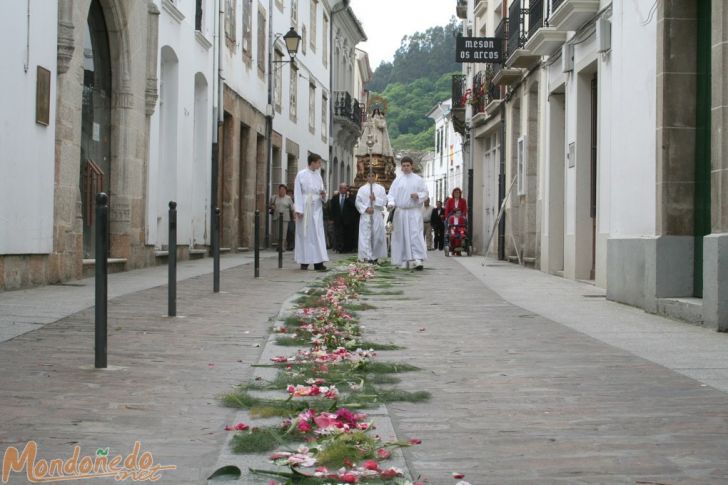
(670, 258)
(715, 246)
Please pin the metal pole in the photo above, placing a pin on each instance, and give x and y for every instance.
(470, 200)
(502, 186)
(280, 239)
(256, 244)
(370, 144)
(216, 253)
(100, 307)
(172, 261)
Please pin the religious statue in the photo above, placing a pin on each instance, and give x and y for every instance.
(382, 156)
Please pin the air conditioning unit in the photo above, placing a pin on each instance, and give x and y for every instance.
(567, 58)
(604, 35)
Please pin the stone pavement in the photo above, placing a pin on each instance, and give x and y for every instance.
(164, 374)
(519, 398)
(534, 384)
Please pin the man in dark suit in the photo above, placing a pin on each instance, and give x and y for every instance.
(342, 210)
(438, 225)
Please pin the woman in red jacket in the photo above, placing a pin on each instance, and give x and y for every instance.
(456, 202)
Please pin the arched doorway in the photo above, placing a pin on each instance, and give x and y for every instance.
(95, 121)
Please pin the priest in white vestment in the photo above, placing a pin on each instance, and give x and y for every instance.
(370, 202)
(407, 195)
(309, 196)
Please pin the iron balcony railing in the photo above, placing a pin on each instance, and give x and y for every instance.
(535, 16)
(345, 106)
(517, 35)
(459, 91)
(484, 91)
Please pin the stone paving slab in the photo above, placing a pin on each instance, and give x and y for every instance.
(26, 310)
(519, 398)
(164, 376)
(697, 352)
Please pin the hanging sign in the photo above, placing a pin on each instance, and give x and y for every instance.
(479, 49)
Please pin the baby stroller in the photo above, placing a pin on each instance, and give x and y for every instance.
(456, 235)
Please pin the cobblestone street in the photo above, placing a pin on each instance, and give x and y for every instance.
(516, 397)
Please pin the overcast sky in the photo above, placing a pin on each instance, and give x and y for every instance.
(387, 21)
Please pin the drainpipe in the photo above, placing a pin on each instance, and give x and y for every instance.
(26, 65)
(217, 118)
(268, 130)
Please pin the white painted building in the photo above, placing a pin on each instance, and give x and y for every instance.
(607, 138)
(349, 75)
(446, 171)
(29, 32)
(181, 126)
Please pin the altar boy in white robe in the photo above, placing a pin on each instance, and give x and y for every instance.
(370, 204)
(407, 196)
(309, 196)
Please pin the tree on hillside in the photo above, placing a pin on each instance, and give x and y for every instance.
(422, 54)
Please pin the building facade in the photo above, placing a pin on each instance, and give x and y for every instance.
(349, 77)
(181, 126)
(611, 135)
(86, 84)
(445, 169)
(122, 97)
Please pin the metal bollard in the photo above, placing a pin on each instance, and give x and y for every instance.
(172, 261)
(256, 244)
(280, 240)
(100, 306)
(216, 253)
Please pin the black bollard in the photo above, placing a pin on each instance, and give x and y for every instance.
(280, 240)
(172, 261)
(256, 244)
(216, 253)
(102, 214)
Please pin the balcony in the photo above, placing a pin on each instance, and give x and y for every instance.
(486, 95)
(517, 55)
(569, 15)
(347, 114)
(504, 75)
(459, 100)
(461, 10)
(542, 40)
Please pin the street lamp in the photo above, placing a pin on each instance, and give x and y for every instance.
(292, 41)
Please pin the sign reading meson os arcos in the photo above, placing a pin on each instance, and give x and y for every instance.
(479, 49)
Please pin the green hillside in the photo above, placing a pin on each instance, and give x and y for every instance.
(414, 82)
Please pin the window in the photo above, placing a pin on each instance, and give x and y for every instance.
(198, 15)
(230, 17)
(262, 30)
(314, 15)
(324, 117)
(278, 93)
(294, 13)
(312, 108)
(521, 164)
(304, 36)
(293, 99)
(325, 48)
(248, 29)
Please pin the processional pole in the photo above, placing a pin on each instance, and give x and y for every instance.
(370, 144)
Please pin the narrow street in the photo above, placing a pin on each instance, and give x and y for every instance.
(553, 389)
